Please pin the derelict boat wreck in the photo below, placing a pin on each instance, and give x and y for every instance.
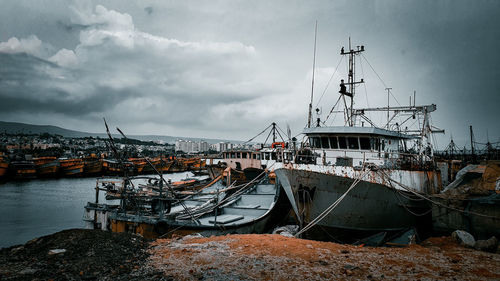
(353, 178)
(215, 209)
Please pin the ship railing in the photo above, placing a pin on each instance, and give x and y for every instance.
(393, 160)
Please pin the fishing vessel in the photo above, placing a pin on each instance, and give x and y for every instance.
(71, 167)
(357, 178)
(22, 168)
(4, 165)
(47, 166)
(92, 166)
(157, 207)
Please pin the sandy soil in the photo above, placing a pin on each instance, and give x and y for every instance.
(275, 257)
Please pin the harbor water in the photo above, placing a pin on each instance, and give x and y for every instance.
(30, 209)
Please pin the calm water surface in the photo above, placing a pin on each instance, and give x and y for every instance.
(35, 208)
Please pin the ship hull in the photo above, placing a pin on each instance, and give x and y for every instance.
(4, 166)
(23, 170)
(92, 167)
(48, 169)
(368, 207)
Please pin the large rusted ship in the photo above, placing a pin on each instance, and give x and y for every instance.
(362, 178)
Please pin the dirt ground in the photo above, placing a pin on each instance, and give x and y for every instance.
(275, 257)
(98, 255)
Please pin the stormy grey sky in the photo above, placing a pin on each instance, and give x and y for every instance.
(226, 69)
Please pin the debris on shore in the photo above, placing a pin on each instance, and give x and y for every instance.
(75, 254)
(92, 254)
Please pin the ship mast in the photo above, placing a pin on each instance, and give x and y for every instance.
(351, 81)
(309, 118)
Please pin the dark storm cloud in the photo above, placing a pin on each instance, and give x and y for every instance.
(222, 69)
(27, 86)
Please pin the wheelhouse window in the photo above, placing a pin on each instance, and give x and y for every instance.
(364, 143)
(375, 143)
(342, 143)
(333, 143)
(233, 155)
(353, 142)
(314, 142)
(254, 156)
(324, 142)
(238, 155)
(244, 155)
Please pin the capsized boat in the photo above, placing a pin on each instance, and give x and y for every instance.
(353, 178)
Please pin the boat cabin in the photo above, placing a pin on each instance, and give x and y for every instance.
(350, 146)
(242, 159)
(261, 159)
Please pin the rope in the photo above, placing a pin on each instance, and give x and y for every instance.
(383, 174)
(258, 134)
(331, 207)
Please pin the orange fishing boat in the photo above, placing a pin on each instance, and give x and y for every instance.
(92, 166)
(47, 166)
(23, 169)
(164, 164)
(112, 167)
(71, 167)
(139, 164)
(147, 169)
(4, 166)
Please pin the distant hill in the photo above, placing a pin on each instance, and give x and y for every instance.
(23, 128)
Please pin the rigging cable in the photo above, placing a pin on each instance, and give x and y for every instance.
(328, 84)
(380, 79)
(258, 134)
(364, 85)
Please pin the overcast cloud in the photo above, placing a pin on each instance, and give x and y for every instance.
(226, 69)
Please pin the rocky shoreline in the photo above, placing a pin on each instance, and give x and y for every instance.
(79, 254)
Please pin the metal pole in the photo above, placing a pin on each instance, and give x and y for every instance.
(388, 94)
(312, 83)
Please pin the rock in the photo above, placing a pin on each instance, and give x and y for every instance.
(57, 251)
(463, 238)
(287, 230)
(489, 245)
